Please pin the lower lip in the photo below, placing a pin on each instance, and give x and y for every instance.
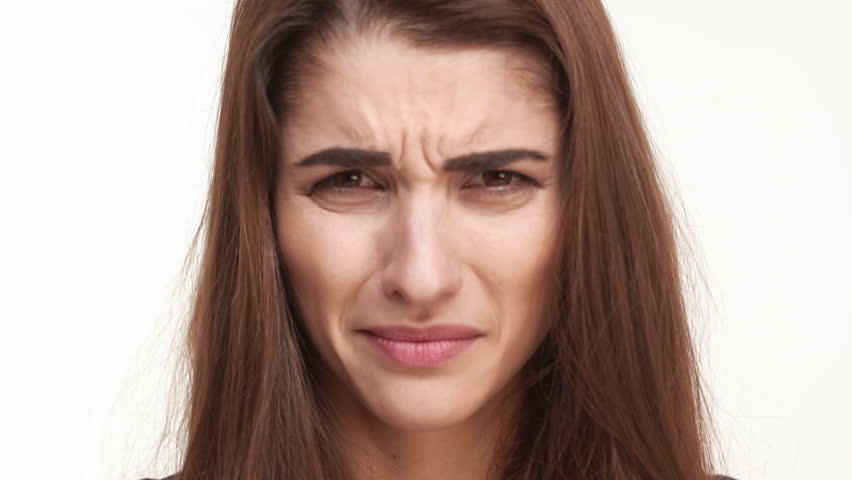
(420, 354)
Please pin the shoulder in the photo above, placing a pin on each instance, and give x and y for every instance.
(715, 477)
(174, 477)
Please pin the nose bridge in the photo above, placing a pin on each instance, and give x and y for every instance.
(422, 270)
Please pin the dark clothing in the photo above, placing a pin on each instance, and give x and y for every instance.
(718, 477)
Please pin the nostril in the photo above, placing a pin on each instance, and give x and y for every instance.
(397, 295)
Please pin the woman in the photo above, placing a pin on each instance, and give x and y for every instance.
(437, 247)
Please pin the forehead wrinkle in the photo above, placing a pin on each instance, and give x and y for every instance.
(351, 134)
(407, 165)
(361, 118)
(425, 151)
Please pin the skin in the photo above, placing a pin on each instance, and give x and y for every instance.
(411, 244)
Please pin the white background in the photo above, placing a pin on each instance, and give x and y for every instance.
(107, 113)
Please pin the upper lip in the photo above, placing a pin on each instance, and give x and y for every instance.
(430, 334)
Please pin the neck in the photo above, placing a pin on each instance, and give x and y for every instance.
(374, 450)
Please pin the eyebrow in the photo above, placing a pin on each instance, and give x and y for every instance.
(477, 161)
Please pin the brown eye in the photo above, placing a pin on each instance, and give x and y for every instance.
(497, 177)
(348, 180)
(502, 180)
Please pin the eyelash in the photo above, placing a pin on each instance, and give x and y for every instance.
(524, 180)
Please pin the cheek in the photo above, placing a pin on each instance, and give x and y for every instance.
(516, 260)
(326, 258)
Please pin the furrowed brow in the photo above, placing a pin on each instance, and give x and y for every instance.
(347, 158)
(477, 161)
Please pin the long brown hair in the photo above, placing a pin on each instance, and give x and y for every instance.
(614, 392)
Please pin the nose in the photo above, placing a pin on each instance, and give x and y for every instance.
(422, 271)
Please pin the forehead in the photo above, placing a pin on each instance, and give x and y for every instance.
(374, 92)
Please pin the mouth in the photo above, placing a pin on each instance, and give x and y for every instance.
(421, 348)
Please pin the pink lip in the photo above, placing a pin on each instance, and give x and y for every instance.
(428, 347)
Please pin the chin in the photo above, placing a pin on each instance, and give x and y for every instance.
(423, 403)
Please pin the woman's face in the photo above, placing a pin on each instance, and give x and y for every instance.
(419, 271)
